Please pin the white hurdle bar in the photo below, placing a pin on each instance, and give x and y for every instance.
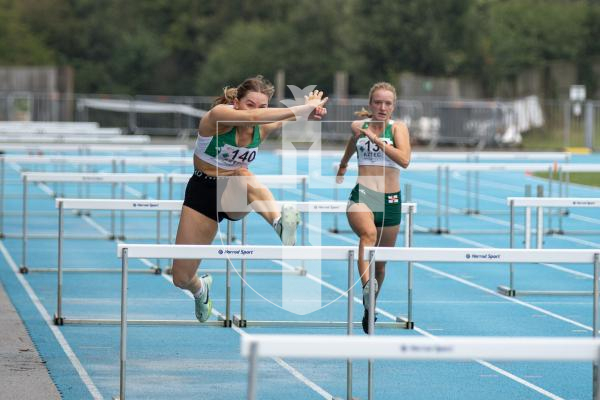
(75, 139)
(87, 178)
(451, 348)
(539, 203)
(88, 148)
(339, 253)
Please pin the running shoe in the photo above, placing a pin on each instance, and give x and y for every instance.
(287, 224)
(204, 303)
(365, 319)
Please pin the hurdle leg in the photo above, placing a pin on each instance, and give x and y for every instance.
(123, 352)
(23, 268)
(335, 228)
(58, 319)
(252, 371)
(447, 200)
(410, 324)
(371, 317)
(595, 368)
(510, 290)
(2, 197)
(227, 322)
(350, 320)
(240, 320)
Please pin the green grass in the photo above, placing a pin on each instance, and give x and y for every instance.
(550, 139)
(582, 178)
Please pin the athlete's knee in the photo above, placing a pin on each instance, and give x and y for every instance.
(368, 236)
(182, 277)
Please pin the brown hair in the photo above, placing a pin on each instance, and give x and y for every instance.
(255, 84)
(379, 85)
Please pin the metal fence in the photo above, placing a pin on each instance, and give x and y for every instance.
(431, 122)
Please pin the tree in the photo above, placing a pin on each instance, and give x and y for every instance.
(18, 44)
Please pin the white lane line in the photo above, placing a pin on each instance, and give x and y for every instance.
(584, 218)
(96, 225)
(428, 334)
(57, 333)
(293, 371)
(494, 293)
(298, 375)
(577, 240)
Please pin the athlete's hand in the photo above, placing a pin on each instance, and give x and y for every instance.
(315, 99)
(339, 178)
(318, 114)
(369, 134)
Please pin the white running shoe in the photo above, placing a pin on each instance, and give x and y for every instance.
(204, 302)
(287, 224)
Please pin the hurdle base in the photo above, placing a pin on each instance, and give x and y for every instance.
(239, 322)
(555, 232)
(316, 324)
(515, 292)
(58, 320)
(335, 230)
(472, 212)
(407, 324)
(91, 270)
(23, 269)
(109, 321)
(439, 231)
(506, 291)
(297, 271)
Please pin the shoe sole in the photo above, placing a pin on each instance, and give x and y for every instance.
(289, 223)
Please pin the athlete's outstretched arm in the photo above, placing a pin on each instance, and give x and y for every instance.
(232, 117)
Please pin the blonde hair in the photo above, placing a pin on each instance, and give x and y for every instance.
(255, 84)
(364, 113)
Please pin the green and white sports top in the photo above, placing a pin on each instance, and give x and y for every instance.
(368, 153)
(223, 152)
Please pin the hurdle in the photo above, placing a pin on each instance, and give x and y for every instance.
(44, 177)
(347, 253)
(408, 209)
(450, 348)
(116, 164)
(539, 203)
(443, 171)
(157, 206)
